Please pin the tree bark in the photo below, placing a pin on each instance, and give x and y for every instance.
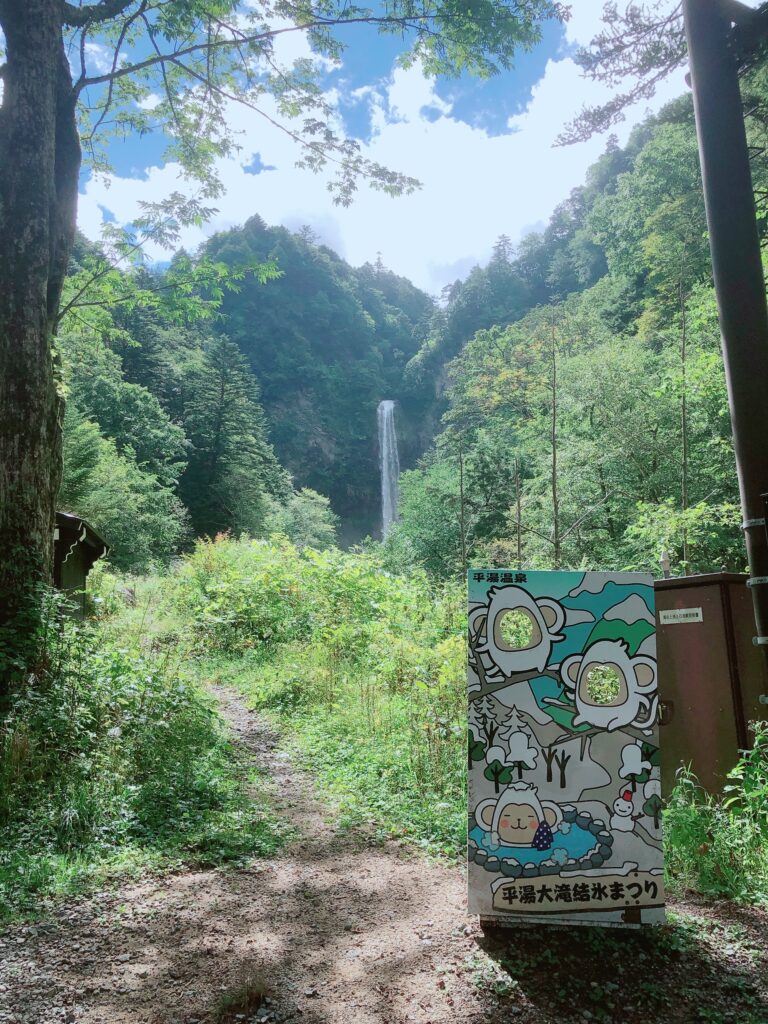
(684, 423)
(39, 168)
(553, 438)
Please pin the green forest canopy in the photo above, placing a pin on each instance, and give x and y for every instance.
(540, 401)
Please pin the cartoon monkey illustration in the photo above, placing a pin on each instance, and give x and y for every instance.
(517, 817)
(546, 617)
(636, 702)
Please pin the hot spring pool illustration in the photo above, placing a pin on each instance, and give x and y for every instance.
(578, 841)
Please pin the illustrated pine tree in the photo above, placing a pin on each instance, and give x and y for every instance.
(513, 723)
(488, 716)
(516, 734)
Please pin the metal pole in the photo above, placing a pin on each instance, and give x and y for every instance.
(738, 271)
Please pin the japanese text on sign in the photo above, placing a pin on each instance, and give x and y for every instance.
(607, 892)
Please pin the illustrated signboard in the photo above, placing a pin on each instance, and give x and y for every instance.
(563, 755)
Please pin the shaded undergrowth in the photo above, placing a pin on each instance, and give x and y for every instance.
(113, 760)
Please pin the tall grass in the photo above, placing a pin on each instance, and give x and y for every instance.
(367, 668)
(111, 757)
(719, 845)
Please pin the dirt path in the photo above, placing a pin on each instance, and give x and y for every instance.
(335, 930)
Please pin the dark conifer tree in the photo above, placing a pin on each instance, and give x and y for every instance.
(232, 466)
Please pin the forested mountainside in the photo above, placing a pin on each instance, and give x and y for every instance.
(231, 406)
(593, 429)
(326, 342)
(521, 391)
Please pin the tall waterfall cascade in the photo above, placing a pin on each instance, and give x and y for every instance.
(389, 464)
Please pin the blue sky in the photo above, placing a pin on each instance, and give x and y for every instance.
(482, 150)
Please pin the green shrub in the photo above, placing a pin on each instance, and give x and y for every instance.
(242, 595)
(110, 756)
(365, 667)
(719, 846)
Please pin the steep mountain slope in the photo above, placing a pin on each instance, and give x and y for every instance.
(327, 342)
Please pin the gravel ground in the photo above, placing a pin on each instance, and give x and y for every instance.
(336, 929)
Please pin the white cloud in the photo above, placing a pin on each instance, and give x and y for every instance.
(99, 57)
(475, 187)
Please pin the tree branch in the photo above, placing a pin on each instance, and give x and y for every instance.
(411, 22)
(78, 17)
(116, 57)
(522, 677)
(586, 515)
(313, 146)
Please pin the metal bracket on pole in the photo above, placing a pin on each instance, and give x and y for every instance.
(760, 641)
(751, 524)
(738, 13)
(758, 581)
(763, 698)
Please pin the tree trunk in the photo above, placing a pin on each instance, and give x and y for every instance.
(684, 425)
(549, 756)
(462, 514)
(39, 167)
(553, 438)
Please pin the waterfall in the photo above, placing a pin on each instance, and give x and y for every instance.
(389, 464)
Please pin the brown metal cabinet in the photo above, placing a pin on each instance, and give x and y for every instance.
(711, 676)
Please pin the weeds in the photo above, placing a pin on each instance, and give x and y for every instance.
(366, 668)
(111, 759)
(719, 846)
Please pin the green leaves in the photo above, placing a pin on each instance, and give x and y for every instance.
(178, 67)
(141, 517)
(232, 469)
(160, 409)
(591, 430)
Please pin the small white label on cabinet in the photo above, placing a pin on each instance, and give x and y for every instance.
(676, 615)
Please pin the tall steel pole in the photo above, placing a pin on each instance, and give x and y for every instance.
(737, 266)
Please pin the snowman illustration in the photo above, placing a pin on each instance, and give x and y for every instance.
(623, 817)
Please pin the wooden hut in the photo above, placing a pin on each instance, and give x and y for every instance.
(76, 547)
